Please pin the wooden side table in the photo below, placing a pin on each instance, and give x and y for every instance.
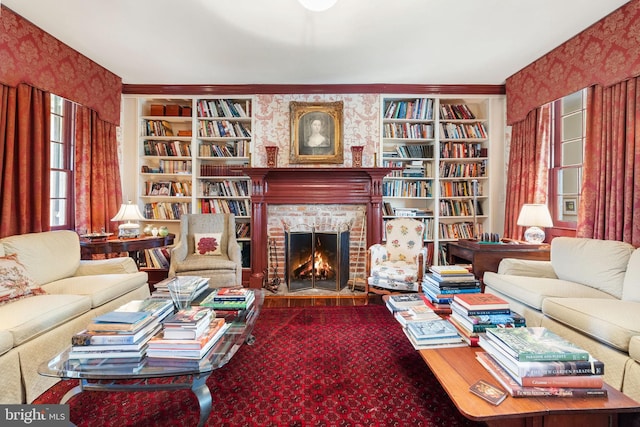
(134, 247)
(486, 256)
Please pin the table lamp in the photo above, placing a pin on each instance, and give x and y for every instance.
(534, 216)
(128, 212)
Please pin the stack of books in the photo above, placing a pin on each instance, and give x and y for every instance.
(229, 299)
(473, 314)
(445, 281)
(435, 333)
(415, 313)
(119, 336)
(402, 302)
(533, 361)
(188, 334)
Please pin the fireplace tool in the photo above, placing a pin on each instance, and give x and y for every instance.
(274, 284)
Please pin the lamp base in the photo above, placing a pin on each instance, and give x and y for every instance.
(128, 230)
(534, 235)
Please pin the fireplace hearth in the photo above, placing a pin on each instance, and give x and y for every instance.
(316, 259)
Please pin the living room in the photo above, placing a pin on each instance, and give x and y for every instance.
(598, 53)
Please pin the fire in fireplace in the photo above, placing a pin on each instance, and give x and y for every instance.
(316, 259)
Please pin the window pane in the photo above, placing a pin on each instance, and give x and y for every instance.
(57, 156)
(572, 103)
(572, 126)
(56, 105)
(572, 153)
(58, 184)
(58, 209)
(569, 181)
(56, 128)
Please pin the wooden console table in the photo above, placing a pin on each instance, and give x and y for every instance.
(487, 256)
(134, 247)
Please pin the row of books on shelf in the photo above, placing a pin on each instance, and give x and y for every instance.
(411, 151)
(243, 230)
(223, 108)
(227, 149)
(462, 131)
(410, 169)
(462, 150)
(228, 188)
(398, 188)
(459, 189)
(167, 148)
(209, 170)
(456, 112)
(167, 188)
(223, 129)
(408, 130)
(459, 230)
(169, 166)
(463, 170)
(236, 207)
(157, 128)
(166, 210)
(389, 210)
(416, 109)
(157, 258)
(459, 208)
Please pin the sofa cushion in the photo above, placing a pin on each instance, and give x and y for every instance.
(100, 289)
(600, 264)
(47, 256)
(207, 243)
(15, 282)
(631, 285)
(6, 341)
(610, 321)
(203, 262)
(30, 317)
(526, 267)
(532, 291)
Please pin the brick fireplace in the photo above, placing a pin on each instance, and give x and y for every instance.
(281, 196)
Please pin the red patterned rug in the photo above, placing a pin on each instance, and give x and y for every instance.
(310, 366)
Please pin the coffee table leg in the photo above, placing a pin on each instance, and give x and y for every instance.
(73, 392)
(203, 394)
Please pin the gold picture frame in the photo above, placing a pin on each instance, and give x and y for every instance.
(316, 132)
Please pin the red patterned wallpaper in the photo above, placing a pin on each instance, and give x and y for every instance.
(30, 55)
(605, 53)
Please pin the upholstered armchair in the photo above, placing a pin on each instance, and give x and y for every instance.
(399, 264)
(208, 248)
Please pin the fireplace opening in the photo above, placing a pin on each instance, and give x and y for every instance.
(316, 259)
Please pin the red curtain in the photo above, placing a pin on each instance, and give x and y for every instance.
(611, 187)
(528, 167)
(24, 159)
(98, 193)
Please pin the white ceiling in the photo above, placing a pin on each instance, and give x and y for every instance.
(279, 42)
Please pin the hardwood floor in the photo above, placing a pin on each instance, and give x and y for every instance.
(308, 301)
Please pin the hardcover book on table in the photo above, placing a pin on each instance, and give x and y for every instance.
(478, 302)
(535, 344)
(432, 329)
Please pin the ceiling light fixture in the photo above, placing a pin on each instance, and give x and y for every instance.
(317, 5)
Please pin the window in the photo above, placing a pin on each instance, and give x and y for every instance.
(61, 214)
(567, 148)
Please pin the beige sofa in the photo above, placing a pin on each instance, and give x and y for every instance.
(589, 293)
(34, 328)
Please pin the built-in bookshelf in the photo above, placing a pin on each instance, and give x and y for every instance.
(191, 151)
(441, 147)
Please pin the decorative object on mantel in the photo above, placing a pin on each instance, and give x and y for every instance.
(356, 156)
(316, 132)
(272, 156)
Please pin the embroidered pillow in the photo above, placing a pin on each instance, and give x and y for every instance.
(207, 243)
(15, 283)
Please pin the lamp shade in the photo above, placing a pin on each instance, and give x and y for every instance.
(317, 5)
(534, 216)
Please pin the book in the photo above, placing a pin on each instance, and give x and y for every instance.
(405, 300)
(541, 369)
(190, 353)
(478, 324)
(432, 329)
(210, 301)
(488, 392)
(231, 294)
(448, 269)
(108, 354)
(189, 317)
(158, 307)
(477, 302)
(405, 316)
(516, 390)
(535, 344)
(87, 338)
(434, 343)
(213, 331)
(101, 324)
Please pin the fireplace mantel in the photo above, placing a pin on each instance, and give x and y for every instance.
(321, 185)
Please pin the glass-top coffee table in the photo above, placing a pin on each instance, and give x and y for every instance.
(101, 375)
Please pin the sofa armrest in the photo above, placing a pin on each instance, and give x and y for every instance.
(118, 265)
(526, 267)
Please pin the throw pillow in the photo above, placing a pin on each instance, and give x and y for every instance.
(15, 283)
(207, 243)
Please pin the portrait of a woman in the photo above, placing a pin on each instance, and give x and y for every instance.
(314, 134)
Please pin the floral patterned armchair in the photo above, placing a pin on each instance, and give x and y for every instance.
(399, 264)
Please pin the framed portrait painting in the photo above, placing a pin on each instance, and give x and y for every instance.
(316, 132)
